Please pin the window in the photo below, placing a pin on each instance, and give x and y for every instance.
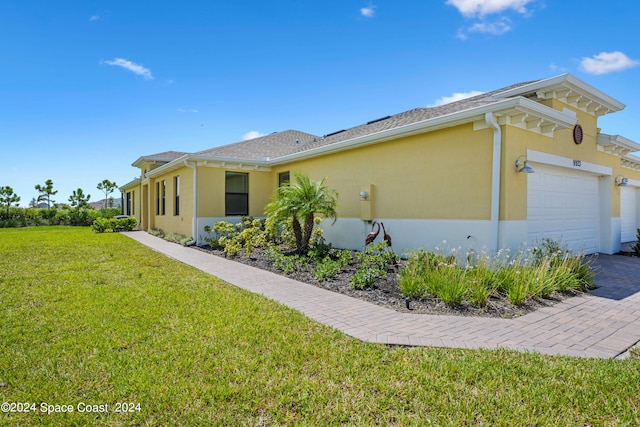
(236, 193)
(283, 177)
(133, 203)
(129, 203)
(164, 197)
(176, 194)
(157, 198)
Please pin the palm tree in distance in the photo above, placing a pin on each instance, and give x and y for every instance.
(46, 191)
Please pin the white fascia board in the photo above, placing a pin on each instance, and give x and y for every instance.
(604, 140)
(148, 159)
(130, 184)
(570, 81)
(233, 160)
(632, 158)
(611, 103)
(179, 162)
(168, 167)
(536, 109)
(138, 162)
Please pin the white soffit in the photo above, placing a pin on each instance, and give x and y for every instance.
(616, 144)
(572, 91)
(532, 116)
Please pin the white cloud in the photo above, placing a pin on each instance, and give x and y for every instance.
(187, 110)
(134, 68)
(557, 68)
(368, 11)
(496, 28)
(94, 18)
(251, 135)
(455, 97)
(471, 8)
(607, 62)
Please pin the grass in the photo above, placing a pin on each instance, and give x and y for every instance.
(100, 319)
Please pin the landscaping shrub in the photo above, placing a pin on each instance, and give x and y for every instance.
(248, 234)
(156, 232)
(329, 267)
(102, 225)
(536, 273)
(286, 263)
(450, 285)
(177, 238)
(374, 262)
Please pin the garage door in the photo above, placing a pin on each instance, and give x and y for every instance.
(563, 204)
(628, 214)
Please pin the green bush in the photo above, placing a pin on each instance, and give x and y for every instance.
(158, 232)
(330, 266)
(286, 263)
(248, 234)
(374, 263)
(326, 269)
(102, 225)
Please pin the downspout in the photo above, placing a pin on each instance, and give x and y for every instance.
(490, 119)
(194, 221)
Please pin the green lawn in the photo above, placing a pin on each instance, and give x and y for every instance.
(98, 319)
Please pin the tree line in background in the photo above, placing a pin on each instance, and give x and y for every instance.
(78, 211)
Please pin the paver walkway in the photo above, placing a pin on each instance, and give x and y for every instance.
(602, 324)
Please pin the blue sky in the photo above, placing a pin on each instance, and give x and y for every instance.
(87, 87)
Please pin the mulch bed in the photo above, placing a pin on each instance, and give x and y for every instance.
(386, 292)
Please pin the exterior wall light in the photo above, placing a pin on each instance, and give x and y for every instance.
(525, 168)
(363, 195)
(621, 181)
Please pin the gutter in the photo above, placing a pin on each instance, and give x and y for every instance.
(491, 121)
(194, 221)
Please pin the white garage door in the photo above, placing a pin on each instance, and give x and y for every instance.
(563, 204)
(628, 214)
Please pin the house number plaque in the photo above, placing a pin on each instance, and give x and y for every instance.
(577, 163)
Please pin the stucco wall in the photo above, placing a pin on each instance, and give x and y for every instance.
(169, 222)
(439, 175)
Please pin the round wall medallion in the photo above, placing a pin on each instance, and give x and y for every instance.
(577, 134)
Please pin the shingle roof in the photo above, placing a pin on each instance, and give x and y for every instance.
(166, 155)
(280, 144)
(271, 146)
(409, 117)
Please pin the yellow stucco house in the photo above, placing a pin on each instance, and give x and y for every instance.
(458, 172)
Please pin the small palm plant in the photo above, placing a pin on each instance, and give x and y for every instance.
(298, 202)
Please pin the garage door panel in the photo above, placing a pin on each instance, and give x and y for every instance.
(563, 204)
(574, 185)
(553, 202)
(552, 179)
